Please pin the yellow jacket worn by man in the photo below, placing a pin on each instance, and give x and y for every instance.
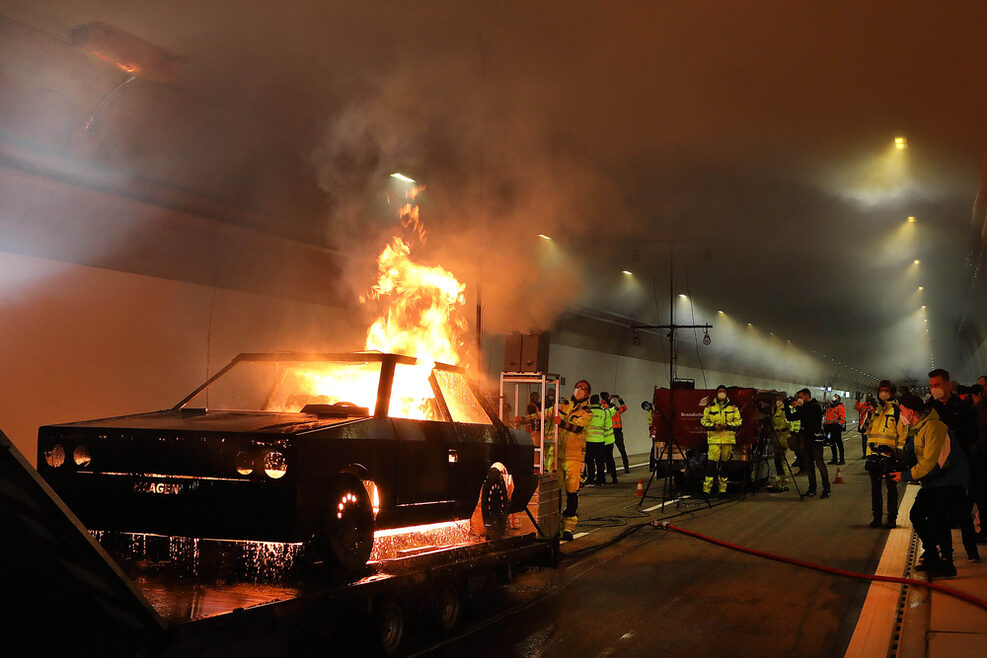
(782, 433)
(574, 415)
(721, 420)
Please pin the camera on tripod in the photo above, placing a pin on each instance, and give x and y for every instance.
(884, 460)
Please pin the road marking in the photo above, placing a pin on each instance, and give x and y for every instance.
(579, 534)
(654, 507)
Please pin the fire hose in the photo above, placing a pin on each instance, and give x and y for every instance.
(963, 596)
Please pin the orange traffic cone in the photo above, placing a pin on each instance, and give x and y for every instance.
(839, 478)
(640, 488)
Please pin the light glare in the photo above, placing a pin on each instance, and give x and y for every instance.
(402, 177)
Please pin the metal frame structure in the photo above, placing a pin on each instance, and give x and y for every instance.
(544, 380)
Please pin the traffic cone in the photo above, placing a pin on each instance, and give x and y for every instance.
(839, 478)
(640, 488)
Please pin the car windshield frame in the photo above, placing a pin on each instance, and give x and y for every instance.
(385, 384)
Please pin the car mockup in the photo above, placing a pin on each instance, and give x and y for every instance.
(317, 449)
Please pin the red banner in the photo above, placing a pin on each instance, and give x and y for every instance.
(689, 407)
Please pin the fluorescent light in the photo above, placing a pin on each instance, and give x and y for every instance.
(911, 219)
(683, 295)
(628, 272)
(543, 236)
(900, 143)
(916, 261)
(402, 177)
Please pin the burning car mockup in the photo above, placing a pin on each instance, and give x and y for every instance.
(317, 449)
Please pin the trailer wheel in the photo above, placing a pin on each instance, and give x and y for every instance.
(389, 625)
(347, 537)
(448, 607)
(494, 504)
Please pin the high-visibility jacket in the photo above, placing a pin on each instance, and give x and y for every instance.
(885, 426)
(783, 427)
(864, 411)
(575, 416)
(721, 412)
(618, 407)
(600, 425)
(836, 415)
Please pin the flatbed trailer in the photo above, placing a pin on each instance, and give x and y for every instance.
(63, 594)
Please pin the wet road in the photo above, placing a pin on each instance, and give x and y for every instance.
(657, 590)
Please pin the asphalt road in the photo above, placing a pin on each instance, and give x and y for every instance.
(660, 591)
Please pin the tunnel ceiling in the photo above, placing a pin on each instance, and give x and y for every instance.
(754, 140)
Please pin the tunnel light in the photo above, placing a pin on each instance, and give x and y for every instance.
(900, 143)
(720, 312)
(921, 287)
(911, 220)
(682, 295)
(401, 177)
(923, 307)
(916, 261)
(749, 324)
(628, 272)
(543, 236)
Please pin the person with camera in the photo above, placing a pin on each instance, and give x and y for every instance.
(809, 415)
(942, 471)
(959, 417)
(865, 411)
(782, 433)
(884, 431)
(616, 403)
(721, 420)
(834, 428)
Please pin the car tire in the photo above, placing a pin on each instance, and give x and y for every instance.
(495, 504)
(448, 607)
(347, 537)
(389, 626)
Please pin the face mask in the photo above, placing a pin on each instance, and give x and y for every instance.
(721, 396)
(884, 395)
(938, 393)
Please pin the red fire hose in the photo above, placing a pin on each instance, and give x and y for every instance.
(664, 525)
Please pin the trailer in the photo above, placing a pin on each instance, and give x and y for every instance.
(65, 595)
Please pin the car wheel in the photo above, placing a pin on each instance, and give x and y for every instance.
(494, 504)
(348, 535)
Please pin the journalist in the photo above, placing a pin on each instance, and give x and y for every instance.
(884, 435)
(807, 412)
(942, 470)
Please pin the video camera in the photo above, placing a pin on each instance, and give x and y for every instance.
(884, 460)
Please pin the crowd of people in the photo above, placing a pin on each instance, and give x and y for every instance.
(939, 442)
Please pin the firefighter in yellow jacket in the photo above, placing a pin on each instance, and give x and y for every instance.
(884, 429)
(573, 417)
(721, 420)
(782, 433)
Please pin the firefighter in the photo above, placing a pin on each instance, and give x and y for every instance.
(721, 420)
(885, 429)
(834, 427)
(573, 417)
(782, 433)
(616, 403)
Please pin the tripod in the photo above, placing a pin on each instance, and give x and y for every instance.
(759, 457)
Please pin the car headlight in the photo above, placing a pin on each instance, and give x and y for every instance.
(81, 456)
(244, 463)
(55, 457)
(275, 465)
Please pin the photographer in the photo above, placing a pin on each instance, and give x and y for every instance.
(809, 415)
(782, 434)
(616, 403)
(942, 470)
(884, 430)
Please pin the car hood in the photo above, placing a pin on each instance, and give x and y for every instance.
(214, 421)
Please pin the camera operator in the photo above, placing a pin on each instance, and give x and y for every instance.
(782, 434)
(721, 420)
(834, 428)
(942, 470)
(884, 430)
(616, 403)
(962, 423)
(809, 414)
